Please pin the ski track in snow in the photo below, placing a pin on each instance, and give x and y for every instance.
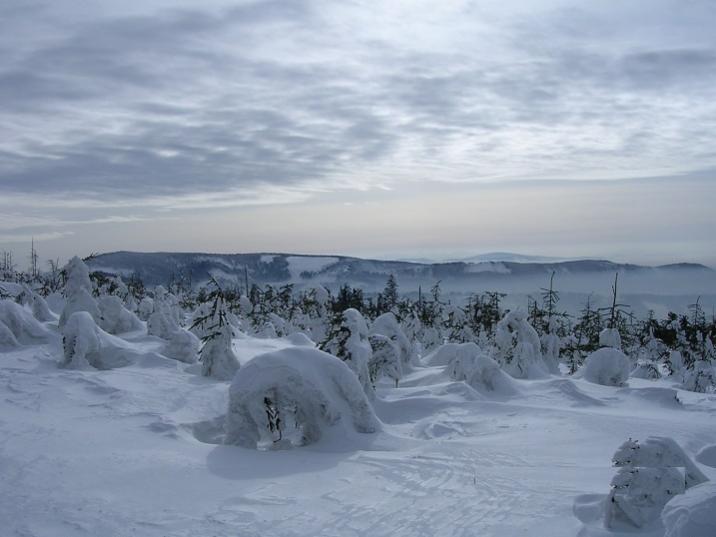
(111, 453)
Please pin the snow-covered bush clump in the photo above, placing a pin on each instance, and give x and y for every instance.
(551, 347)
(114, 317)
(607, 366)
(609, 337)
(519, 347)
(386, 359)
(700, 377)
(650, 475)
(86, 344)
(78, 291)
(348, 340)
(294, 397)
(19, 326)
(472, 365)
(145, 308)
(692, 514)
(646, 369)
(183, 346)
(37, 304)
(387, 325)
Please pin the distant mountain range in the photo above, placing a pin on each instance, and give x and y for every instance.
(281, 268)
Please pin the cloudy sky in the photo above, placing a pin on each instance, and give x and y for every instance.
(383, 128)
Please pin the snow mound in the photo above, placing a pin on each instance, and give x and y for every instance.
(299, 339)
(707, 456)
(692, 514)
(293, 397)
(607, 366)
(19, 326)
(183, 346)
(87, 345)
(115, 318)
(472, 365)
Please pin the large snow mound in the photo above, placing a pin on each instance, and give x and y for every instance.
(607, 366)
(18, 325)
(692, 514)
(292, 397)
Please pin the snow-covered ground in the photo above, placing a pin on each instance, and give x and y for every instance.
(134, 451)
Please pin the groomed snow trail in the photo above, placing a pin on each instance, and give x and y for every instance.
(128, 452)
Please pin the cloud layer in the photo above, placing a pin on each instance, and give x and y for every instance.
(163, 105)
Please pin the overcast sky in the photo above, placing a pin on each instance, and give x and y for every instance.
(385, 128)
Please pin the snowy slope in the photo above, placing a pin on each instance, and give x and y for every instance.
(129, 452)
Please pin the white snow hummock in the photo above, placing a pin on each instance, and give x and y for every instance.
(692, 514)
(519, 347)
(472, 365)
(292, 397)
(182, 345)
(607, 366)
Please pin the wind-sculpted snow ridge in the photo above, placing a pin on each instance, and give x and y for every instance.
(292, 397)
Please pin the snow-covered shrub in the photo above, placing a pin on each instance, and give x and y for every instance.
(385, 359)
(40, 310)
(294, 397)
(182, 345)
(80, 340)
(78, 291)
(161, 323)
(700, 377)
(519, 347)
(646, 369)
(650, 475)
(114, 317)
(609, 337)
(86, 344)
(551, 347)
(445, 354)
(470, 364)
(348, 340)
(387, 325)
(145, 308)
(20, 326)
(676, 362)
(607, 366)
(692, 514)
(639, 494)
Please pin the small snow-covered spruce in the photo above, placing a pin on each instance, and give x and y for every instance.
(348, 340)
(385, 359)
(295, 397)
(471, 364)
(388, 325)
(217, 356)
(78, 291)
(518, 347)
(649, 475)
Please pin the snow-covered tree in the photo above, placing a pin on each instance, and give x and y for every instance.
(472, 365)
(519, 347)
(348, 340)
(385, 359)
(78, 291)
(217, 355)
(295, 397)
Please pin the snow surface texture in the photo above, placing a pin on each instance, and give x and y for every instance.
(137, 451)
(306, 389)
(607, 366)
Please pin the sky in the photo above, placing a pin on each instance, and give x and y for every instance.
(383, 129)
